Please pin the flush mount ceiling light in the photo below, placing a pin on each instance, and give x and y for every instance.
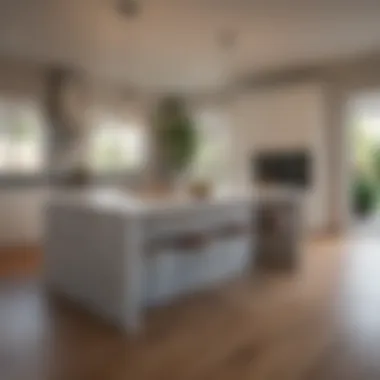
(129, 8)
(227, 38)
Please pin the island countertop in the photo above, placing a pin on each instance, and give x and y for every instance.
(134, 203)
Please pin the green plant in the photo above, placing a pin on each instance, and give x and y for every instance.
(376, 163)
(176, 136)
(364, 195)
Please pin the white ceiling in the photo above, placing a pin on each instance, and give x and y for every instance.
(174, 43)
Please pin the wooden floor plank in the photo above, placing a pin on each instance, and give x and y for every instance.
(319, 322)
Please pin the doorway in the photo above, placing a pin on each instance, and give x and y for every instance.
(364, 124)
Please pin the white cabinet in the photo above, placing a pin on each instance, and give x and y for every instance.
(114, 257)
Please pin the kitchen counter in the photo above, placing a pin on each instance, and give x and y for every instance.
(117, 253)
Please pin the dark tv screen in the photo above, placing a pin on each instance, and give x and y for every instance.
(283, 168)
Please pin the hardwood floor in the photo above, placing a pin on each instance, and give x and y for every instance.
(20, 262)
(322, 322)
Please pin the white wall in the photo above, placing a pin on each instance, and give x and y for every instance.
(285, 117)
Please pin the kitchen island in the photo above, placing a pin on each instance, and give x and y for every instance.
(116, 254)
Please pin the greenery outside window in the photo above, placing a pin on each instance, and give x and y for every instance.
(115, 146)
(212, 161)
(22, 145)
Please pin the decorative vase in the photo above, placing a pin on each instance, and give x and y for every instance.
(200, 189)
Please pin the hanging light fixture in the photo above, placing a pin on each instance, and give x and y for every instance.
(128, 8)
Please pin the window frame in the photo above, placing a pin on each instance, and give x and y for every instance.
(14, 177)
(125, 174)
(212, 121)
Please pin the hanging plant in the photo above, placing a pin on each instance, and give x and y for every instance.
(176, 137)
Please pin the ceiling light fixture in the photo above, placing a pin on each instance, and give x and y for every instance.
(128, 8)
(227, 38)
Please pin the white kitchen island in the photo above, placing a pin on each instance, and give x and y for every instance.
(116, 254)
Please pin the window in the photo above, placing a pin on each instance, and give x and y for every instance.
(213, 154)
(21, 139)
(116, 146)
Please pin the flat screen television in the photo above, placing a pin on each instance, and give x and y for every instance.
(283, 168)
